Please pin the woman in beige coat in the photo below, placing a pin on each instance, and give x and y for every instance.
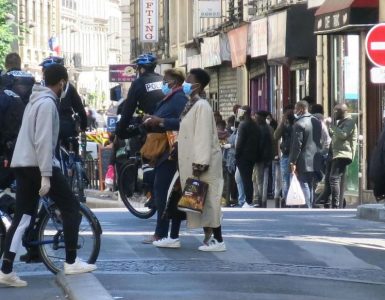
(200, 155)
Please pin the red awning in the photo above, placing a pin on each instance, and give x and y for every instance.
(330, 6)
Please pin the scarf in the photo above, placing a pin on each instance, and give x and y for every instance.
(189, 105)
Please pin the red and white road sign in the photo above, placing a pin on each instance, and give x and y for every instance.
(375, 45)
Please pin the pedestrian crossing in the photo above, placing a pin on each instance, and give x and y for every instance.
(243, 250)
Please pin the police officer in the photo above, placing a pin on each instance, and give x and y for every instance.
(145, 92)
(16, 80)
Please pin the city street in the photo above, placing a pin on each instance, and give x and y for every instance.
(272, 254)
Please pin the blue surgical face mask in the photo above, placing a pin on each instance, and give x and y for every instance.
(166, 89)
(187, 88)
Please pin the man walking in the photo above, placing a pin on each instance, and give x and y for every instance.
(305, 156)
(38, 174)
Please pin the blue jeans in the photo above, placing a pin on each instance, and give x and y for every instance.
(285, 175)
(307, 184)
(277, 179)
(241, 191)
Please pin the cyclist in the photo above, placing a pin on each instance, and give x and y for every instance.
(37, 174)
(70, 104)
(15, 89)
(16, 80)
(144, 94)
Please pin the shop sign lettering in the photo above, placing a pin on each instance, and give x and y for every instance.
(332, 21)
(149, 21)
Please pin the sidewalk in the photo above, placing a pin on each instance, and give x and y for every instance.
(103, 199)
(373, 212)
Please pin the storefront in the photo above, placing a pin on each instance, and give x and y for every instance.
(345, 23)
(291, 71)
(259, 96)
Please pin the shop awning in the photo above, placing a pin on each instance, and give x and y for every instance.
(287, 30)
(345, 15)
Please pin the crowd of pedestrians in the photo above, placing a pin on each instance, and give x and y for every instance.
(260, 155)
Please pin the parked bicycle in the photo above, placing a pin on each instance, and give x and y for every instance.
(46, 233)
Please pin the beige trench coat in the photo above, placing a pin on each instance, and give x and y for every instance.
(198, 143)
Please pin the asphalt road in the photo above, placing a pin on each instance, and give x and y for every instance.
(272, 254)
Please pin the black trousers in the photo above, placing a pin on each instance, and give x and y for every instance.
(245, 168)
(335, 181)
(163, 177)
(28, 182)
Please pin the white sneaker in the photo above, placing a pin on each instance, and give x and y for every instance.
(12, 279)
(247, 205)
(167, 243)
(213, 246)
(78, 267)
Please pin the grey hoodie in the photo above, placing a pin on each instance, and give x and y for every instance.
(38, 135)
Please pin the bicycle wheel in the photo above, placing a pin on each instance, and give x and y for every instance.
(51, 238)
(133, 192)
(77, 182)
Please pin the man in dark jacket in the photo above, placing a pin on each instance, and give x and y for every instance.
(246, 152)
(265, 158)
(305, 156)
(70, 104)
(144, 94)
(16, 80)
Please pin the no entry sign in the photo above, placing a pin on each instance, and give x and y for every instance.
(375, 45)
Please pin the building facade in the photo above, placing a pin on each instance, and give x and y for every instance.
(90, 41)
(37, 21)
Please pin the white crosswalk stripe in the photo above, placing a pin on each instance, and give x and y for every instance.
(335, 256)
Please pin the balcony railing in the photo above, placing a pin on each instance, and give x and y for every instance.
(261, 7)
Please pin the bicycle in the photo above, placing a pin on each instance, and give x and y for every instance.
(135, 179)
(50, 237)
(72, 168)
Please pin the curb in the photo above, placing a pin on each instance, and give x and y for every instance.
(82, 287)
(374, 212)
(92, 202)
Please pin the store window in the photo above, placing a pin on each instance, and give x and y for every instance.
(345, 88)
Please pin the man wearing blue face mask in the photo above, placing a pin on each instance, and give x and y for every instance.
(166, 118)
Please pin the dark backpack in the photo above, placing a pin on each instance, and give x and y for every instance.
(11, 120)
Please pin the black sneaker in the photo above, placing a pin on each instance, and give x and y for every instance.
(30, 258)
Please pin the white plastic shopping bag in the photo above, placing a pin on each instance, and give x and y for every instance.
(295, 194)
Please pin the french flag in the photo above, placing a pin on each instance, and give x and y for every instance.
(53, 44)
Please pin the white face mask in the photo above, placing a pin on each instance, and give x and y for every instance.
(64, 91)
(268, 121)
(240, 113)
